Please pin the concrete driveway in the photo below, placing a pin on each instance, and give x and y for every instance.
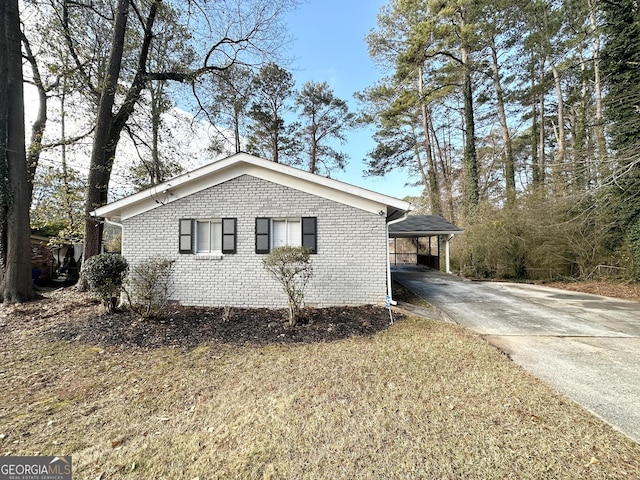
(585, 346)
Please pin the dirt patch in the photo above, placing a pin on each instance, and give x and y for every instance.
(71, 316)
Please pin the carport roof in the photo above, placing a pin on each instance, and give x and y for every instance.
(422, 226)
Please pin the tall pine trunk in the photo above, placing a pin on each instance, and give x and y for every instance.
(432, 174)
(509, 169)
(601, 142)
(561, 136)
(542, 164)
(470, 158)
(535, 168)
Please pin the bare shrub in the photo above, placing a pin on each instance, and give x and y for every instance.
(291, 266)
(148, 286)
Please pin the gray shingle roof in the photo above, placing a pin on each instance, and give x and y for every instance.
(423, 226)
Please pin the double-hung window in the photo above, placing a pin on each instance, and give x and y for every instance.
(280, 232)
(207, 236)
(286, 233)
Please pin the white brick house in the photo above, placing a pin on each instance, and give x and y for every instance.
(219, 221)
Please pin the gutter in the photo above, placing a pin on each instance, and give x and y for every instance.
(389, 289)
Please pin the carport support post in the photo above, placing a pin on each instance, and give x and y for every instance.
(446, 254)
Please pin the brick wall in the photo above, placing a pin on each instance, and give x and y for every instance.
(349, 268)
(42, 259)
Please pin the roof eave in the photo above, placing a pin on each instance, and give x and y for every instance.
(136, 202)
(428, 233)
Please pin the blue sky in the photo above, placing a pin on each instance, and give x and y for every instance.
(328, 43)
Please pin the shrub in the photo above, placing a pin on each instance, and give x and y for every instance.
(147, 288)
(105, 274)
(291, 266)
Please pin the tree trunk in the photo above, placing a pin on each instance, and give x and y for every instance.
(40, 123)
(434, 188)
(156, 120)
(559, 164)
(535, 170)
(313, 149)
(601, 142)
(542, 167)
(4, 168)
(470, 158)
(17, 285)
(274, 147)
(100, 167)
(236, 127)
(581, 178)
(510, 176)
(65, 170)
(444, 158)
(108, 125)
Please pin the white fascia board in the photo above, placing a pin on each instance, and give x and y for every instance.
(240, 164)
(161, 193)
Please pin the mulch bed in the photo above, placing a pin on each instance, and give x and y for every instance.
(188, 327)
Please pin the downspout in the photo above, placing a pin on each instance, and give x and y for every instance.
(389, 293)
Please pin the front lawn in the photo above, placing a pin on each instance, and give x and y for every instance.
(420, 399)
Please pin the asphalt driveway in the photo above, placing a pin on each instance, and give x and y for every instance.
(585, 346)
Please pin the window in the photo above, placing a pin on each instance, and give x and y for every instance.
(207, 236)
(274, 233)
(286, 233)
(309, 236)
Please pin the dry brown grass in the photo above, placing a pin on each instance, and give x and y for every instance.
(625, 290)
(420, 400)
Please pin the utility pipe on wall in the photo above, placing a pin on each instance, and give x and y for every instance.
(389, 293)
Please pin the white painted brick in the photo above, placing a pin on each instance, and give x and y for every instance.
(349, 268)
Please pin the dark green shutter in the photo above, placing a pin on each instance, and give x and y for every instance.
(263, 235)
(229, 235)
(185, 236)
(310, 233)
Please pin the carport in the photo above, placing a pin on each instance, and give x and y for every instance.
(428, 234)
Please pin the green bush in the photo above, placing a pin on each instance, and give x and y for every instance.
(291, 266)
(147, 288)
(105, 274)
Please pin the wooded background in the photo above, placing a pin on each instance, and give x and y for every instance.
(521, 121)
